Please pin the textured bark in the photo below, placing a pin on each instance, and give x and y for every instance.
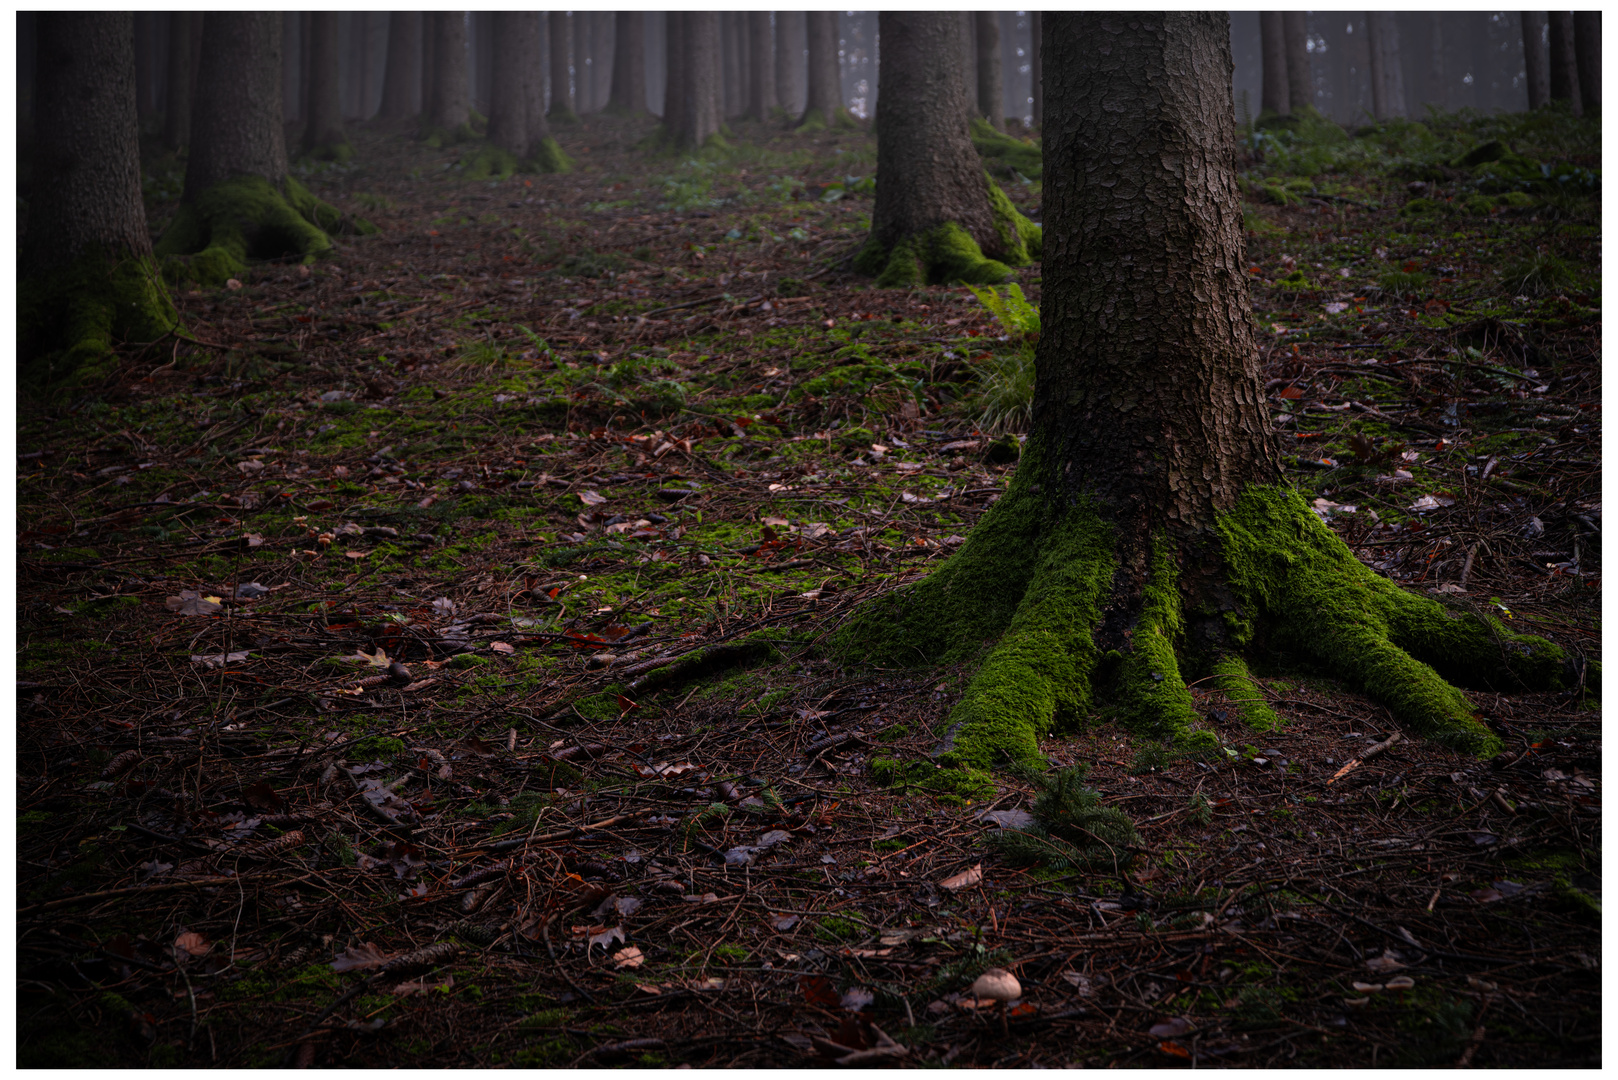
(602, 53)
(236, 124)
(761, 98)
(991, 99)
(791, 72)
(1274, 96)
(1300, 84)
(561, 40)
(1535, 60)
(325, 127)
(1036, 65)
(674, 60)
(927, 170)
(177, 112)
(359, 64)
(401, 77)
(969, 52)
(533, 33)
(1564, 61)
(1387, 74)
(733, 92)
(825, 98)
(1437, 61)
(1587, 52)
(87, 144)
(582, 102)
(1148, 385)
(429, 60)
(508, 89)
(693, 117)
(450, 110)
(629, 63)
(145, 66)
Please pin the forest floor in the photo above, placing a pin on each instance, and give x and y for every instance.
(461, 593)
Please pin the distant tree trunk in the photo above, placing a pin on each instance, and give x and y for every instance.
(323, 136)
(790, 74)
(87, 278)
(674, 59)
(145, 67)
(561, 35)
(1274, 97)
(1564, 61)
(581, 62)
(401, 77)
(1534, 58)
(177, 114)
(732, 92)
(1036, 65)
(1587, 52)
(825, 105)
(938, 218)
(742, 49)
(761, 100)
(359, 55)
(508, 83)
(1437, 64)
(482, 54)
(991, 101)
(449, 117)
(602, 56)
(629, 63)
(1387, 77)
(429, 61)
(544, 155)
(694, 84)
(1300, 82)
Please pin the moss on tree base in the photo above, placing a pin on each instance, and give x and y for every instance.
(340, 152)
(69, 322)
(438, 138)
(1028, 592)
(947, 254)
(245, 218)
(548, 157)
(816, 120)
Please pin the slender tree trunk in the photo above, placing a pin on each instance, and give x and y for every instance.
(1274, 97)
(580, 25)
(629, 63)
(429, 61)
(1534, 58)
(177, 116)
(991, 94)
(732, 94)
(1564, 61)
(1387, 76)
(1036, 62)
(401, 77)
(483, 46)
(561, 35)
(324, 132)
(761, 99)
(744, 60)
(508, 89)
(543, 153)
(825, 94)
(1300, 81)
(693, 78)
(359, 52)
(450, 113)
(1437, 61)
(603, 53)
(674, 59)
(791, 73)
(1587, 54)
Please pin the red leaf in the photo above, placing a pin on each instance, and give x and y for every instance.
(1292, 393)
(625, 705)
(818, 990)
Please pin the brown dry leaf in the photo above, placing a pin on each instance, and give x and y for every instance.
(192, 943)
(421, 986)
(628, 957)
(192, 603)
(965, 879)
(361, 957)
(605, 936)
(592, 498)
(502, 647)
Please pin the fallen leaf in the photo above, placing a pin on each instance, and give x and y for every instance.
(628, 957)
(605, 936)
(1172, 1029)
(192, 944)
(783, 923)
(361, 957)
(591, 498)
(191, 603)
(964, 879)
(502, 647)
(818, 990)
(1010, 819)
(219, 660)
(418, 986)
(856, 998)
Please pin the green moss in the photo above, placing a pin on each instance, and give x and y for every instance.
(438, 138)
(1005, 155)
(943, 255)
(69, 322)
(468, 660)
(548, 157)
(952, 786)
(489, 160)
(1149, 693)
(1023, 240)
(341, 152)
(1234, 681)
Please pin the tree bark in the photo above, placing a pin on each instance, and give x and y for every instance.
(1587, 55)
(508, 88)
(1437, 60)
(1564, 62)
(1145, 534)
(581, 62)
(401, 77)
(937, 215)
(732, 81)
(449, 116)
(359, 57)
(602, 53)
(429, 61)
(1387, 76)
(1274, 97)
(145, 67)
(791, 73)
(482, 56)
(761, 100)
(692, 114)
(629, 64)
(1036, 65)
(825, 98)
(991, 102)
(177, 113)
(1534, 58)
(561, 35)
(1300, 82)
(323, 135)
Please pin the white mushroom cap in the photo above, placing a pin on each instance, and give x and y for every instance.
(997, 984)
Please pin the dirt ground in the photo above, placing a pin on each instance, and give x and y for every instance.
(421, 668)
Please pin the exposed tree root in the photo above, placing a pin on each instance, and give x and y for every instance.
(69, 321)
(947, 253)
(245, 218)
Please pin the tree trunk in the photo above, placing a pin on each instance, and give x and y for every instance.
(1564, 62)
(1437, 60)
(693, 116)
(1387, 76)
(938, 217)
(1146, 535)
(825, 98)
(1273, 50)
(629, 64)
(1587, 54)
(177, 114)
(561, 35)
(734, 94)
(761, 100)
(508, 84)
(991, 103)
(1036, 65)
(674, 58)
(359, 56)
(323, 136)
(1300, 82)
(482, 57)
(145, 67)
(88, 280)
(449, 115)
(544, 155)
(601, 58)
(791, 75)
(429, 61)
(581, 62)
(1534, 58)
(744, 60)
(401, 77)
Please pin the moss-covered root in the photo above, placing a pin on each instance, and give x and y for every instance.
(489, 160)
(69, 322)
(437, 138)
(947, 254)
(341, 152)
(212, 239)
(816, 120)
(1232, 679)
(548, 157)
(1398, 646)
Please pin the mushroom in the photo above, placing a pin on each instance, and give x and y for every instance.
(999, 986)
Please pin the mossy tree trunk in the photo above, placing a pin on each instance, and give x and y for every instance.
(1274, 96)
(561, 39)
(449, 113)
(825, 101)
(543, 155)
(323, 135)
(88, 280)
(401, 74)
(1146, 536)
(938, 217)
(629, 64)
(991, 95)
(761, 100)
(177, 111)
(238, 203)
